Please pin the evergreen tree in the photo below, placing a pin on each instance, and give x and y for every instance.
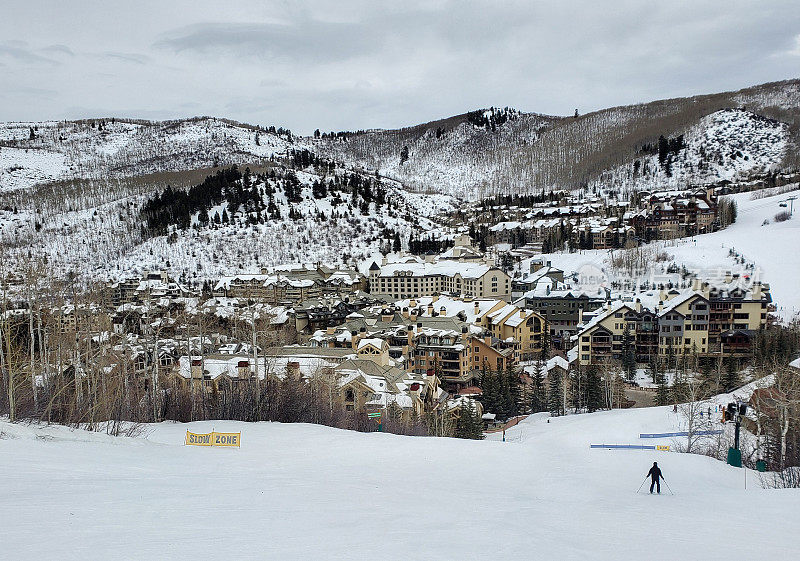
(555, 393)
(662, 392)
(594, 389)
(490, 389)
(546, 340)
(537, 398)
(403, 155)
(514, 396)
(708, 379)
(652, 371)
(628, 357)
(202, 216)
(469, 423)
(732, 378)
(504, 405)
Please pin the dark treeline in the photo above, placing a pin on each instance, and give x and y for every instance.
(253, 195)
(491, 118)
(522, 200)
(176, 207)
(428, 245)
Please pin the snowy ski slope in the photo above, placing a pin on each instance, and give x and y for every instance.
(311, 492)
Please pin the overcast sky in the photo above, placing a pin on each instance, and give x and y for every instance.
(348, 65)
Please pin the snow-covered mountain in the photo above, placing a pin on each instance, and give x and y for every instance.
(527, 152)
(281, 217)
(32, 153)
(72, 192)
(727, 145)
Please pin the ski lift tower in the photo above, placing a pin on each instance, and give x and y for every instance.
(791, 201)
(735, 412)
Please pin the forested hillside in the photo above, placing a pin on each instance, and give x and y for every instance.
(200, 226)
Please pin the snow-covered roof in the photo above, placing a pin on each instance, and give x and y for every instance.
(443, 268)
(377, 343)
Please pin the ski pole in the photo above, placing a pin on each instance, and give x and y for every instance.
(640, 486)
(668, 487)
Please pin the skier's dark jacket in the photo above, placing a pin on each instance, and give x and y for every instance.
(655, 473)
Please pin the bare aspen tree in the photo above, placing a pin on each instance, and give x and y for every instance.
(5, 334)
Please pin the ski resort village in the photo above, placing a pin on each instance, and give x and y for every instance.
(282, 332)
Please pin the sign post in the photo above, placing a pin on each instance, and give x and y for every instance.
(377, 415)
(214, 439)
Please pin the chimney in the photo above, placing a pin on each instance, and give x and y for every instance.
(477, 308)
(412, 303)
(405, 313)
(757, 290)
(384, 261)
(442, 311)
(330, 331)
(728, 277)
(521, 313)
(430, 309)
(638, 305)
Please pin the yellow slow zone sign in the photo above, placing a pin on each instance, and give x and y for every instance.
(213, 439)
(662, 448)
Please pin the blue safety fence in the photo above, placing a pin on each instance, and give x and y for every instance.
(669, 434)
(623, 446)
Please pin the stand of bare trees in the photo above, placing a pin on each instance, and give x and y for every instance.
(776, 409)
(65, 358)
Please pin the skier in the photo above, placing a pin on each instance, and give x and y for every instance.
(655, 477)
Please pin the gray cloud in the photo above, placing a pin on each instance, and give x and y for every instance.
(59, 50)
(360, 64)
(16, 51)
(295, 41)
(127, 57)
(26, 91)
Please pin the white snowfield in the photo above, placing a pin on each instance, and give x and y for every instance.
(311, 492)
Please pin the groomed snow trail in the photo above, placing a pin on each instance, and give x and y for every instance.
(311, 492)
